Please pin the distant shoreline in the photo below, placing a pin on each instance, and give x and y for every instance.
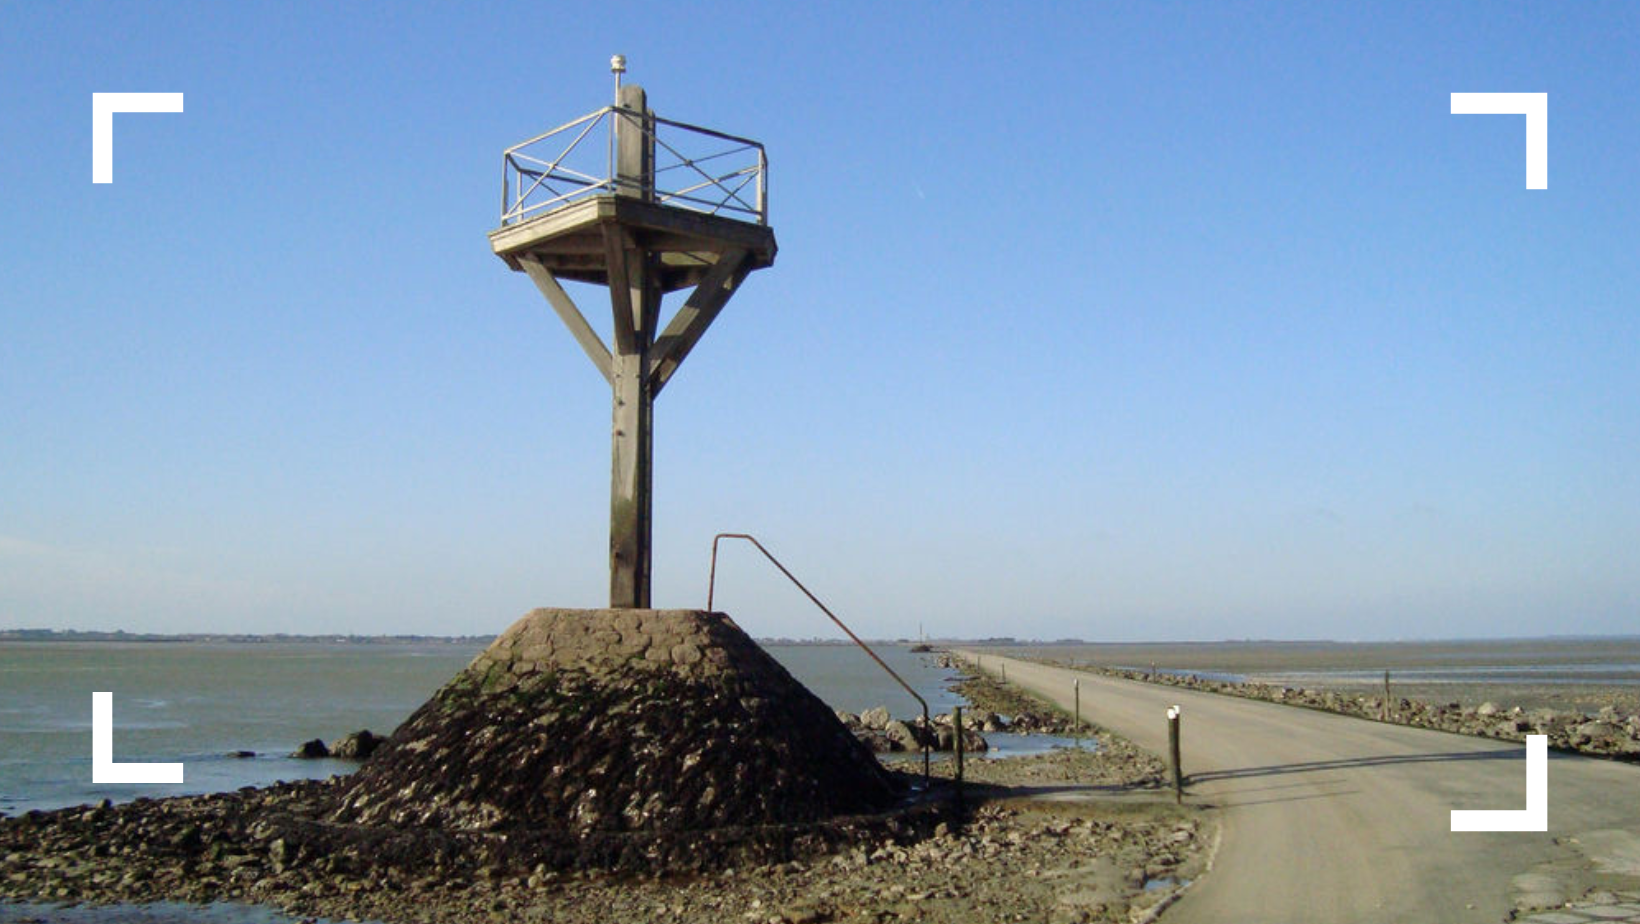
(1262, 646)
(282, 638)
(74, 635)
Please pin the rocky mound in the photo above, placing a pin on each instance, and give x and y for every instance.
(584, 723)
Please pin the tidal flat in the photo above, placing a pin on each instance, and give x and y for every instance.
(1582, 674)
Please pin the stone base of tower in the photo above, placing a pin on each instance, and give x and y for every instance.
(588, 734)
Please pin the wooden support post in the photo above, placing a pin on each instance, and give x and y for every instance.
(635, 300)
(631, 485)
(1173, 751)
(956, 724)
(635, 145)
(1386, 694)
(1076, 693)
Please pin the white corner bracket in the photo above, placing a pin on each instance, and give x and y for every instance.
(103, 107)
(1535, 107)
(103, 768)
(1535, 817)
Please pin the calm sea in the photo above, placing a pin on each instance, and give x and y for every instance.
(198, 703)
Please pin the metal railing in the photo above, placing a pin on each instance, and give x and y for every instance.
(711, 587)
(695, 168)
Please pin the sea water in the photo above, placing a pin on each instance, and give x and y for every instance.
(200, 704)
(204, 703)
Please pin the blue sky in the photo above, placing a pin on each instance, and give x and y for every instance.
(1119, 321)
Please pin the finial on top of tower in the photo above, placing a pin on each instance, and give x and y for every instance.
(617, 66)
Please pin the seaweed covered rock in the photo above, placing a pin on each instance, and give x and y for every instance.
(591, 721)
(357, 746)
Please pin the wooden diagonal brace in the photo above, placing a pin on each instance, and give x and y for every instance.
(588, 338)
(697, 314)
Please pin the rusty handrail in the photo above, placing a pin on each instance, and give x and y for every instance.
(711, 587)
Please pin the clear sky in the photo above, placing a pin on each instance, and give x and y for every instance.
(1119, 321)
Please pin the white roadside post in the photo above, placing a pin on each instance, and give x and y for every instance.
(1173, 713)
(1076, 694)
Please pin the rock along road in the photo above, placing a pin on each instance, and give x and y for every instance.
(1328, 818)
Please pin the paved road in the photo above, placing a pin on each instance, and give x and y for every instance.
(1334, 819)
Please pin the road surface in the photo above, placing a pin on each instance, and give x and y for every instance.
(1329, 818)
